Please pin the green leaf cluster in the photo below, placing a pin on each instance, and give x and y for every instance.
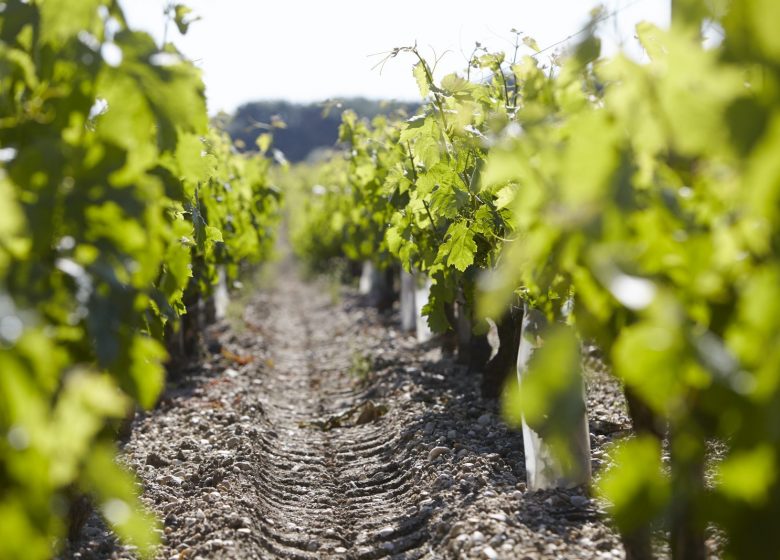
(646, 195)
(412, 192)
(117, 201)
(648, 191)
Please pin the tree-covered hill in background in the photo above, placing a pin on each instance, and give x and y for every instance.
(308, 126)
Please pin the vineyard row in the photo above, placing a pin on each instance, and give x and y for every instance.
(629, 205)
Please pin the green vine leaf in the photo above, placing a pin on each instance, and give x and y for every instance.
(459, 248)
(421, 76)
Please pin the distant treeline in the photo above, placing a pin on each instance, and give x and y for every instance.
(308, 126)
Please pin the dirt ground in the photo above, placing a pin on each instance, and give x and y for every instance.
(316, 429)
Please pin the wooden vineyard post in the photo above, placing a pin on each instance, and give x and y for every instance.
(543, 469)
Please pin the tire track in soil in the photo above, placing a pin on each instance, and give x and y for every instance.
(233, 463)
(344, 499)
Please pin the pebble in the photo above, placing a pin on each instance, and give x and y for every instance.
(428, 429)
(313, 545)
(452, 434)
(443, 481)
(554, 501)
(579, 501)
(170, 480)
(385, 532)
(489, 553)
(156, 460)
(478, 537)
(485, 419)
(437, 452)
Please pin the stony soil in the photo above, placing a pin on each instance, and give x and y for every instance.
(318, 430)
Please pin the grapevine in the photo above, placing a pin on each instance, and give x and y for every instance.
(636, 203)
(118, 205)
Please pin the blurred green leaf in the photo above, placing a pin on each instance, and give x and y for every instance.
(147, 373)
(182, 18)
(114, 492)
(264, 142)
(86, 402)
(551, 391)
(82, 16)
(650, 357)
(531, 43)
(748, 475)
(636, 489)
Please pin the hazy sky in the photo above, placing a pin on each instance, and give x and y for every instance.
(314, 50)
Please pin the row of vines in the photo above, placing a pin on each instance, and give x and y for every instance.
(636, 206)
(118, 203)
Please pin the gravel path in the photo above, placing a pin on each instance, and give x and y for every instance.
(317, 430)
